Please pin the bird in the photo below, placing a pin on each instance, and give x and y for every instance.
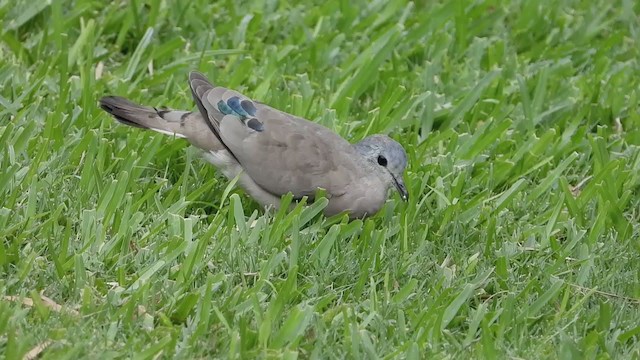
(274, 153)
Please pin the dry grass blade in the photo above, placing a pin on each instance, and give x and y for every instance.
(48, 302)
(36, 351)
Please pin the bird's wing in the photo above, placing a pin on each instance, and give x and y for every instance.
(282, 153)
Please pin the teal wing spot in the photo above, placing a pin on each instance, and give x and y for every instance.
(224, 108)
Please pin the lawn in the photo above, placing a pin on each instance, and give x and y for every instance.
(521, 238)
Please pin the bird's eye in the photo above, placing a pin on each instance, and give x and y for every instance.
(382, 161)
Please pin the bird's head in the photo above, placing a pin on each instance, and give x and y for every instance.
(389, 156)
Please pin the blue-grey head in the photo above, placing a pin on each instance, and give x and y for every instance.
(389, 155)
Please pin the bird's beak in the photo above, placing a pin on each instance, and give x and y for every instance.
(402, 189)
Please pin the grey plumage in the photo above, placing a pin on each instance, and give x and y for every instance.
(273, 152)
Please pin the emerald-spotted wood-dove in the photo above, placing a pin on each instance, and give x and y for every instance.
(274, 152)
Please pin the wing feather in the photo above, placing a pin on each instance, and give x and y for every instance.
(284, 153)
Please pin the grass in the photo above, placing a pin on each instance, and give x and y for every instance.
(521, 238)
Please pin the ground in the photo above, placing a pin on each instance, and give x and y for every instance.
(520, 239)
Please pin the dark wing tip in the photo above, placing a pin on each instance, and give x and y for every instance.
(198, 80)
(195, 75)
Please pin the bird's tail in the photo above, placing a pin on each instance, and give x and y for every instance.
(169, 122)
(183, 124)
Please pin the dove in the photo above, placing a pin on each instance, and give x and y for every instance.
(273, 153)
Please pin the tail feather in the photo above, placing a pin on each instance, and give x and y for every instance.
(184, 124)
(169, 122)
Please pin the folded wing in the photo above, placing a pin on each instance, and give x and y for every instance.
(282, 153)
